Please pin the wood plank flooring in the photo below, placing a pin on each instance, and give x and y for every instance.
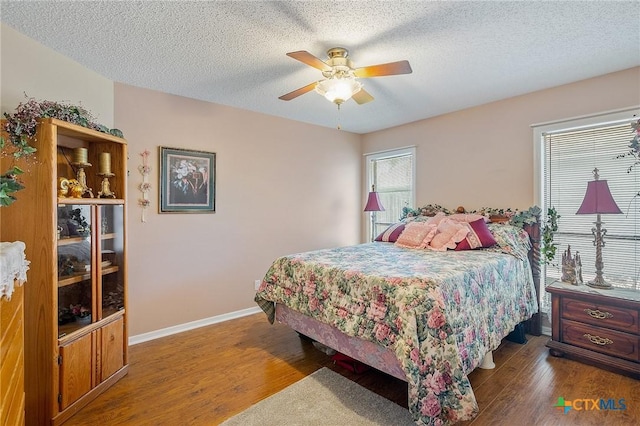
(204, 376)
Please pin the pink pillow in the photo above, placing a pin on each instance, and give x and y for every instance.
(435, 220)
(449, 234)
(479, 236)
(467, 217)
(413, 235)
(391, 234)
(433, 230)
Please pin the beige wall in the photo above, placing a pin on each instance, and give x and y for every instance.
(483, 156)
(27, 66)
(282, 187)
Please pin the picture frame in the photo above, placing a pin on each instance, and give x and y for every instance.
(187, 181)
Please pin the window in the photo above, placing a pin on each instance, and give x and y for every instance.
(393, 175)
(569, 153)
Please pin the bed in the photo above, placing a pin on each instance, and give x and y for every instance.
(427, 317)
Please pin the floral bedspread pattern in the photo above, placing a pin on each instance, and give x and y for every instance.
(440, 312)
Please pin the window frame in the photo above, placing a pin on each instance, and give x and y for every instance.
(576, 123)
(369, 158)
(572, 124)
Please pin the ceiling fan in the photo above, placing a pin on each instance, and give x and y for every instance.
(340, 77)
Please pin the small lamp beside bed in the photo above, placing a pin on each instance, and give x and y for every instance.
(598, 200)
(373, 205)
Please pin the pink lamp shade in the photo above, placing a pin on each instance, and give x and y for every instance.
(598, 198)
(373, 202)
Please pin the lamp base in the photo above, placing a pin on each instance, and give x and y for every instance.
(601, 284)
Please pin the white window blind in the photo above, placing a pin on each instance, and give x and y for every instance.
(392, 173)
(569, 160)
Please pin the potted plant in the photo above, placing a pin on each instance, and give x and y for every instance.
(19, 128)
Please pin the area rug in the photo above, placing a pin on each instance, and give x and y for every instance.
(323, 398)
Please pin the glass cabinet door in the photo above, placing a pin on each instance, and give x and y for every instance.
(75, 260)
(111, 259)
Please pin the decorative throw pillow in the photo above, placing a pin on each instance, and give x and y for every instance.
(391, 234)
(467, 217)
(413, 235)
(435, 220)
(479, 236)
(433, 230)
(449, 234)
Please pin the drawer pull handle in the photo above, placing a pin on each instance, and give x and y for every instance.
(598, 314)
(602, 341)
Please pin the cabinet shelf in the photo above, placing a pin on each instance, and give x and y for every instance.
(108, 312)
(70, 240)
(68, 331)
(110, 270)
(73, 279)
(83, 276)
(90, 201)
(73, 330)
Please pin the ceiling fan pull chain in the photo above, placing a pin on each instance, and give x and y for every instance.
(339, 126)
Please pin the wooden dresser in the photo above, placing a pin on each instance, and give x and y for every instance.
(599, 327)
(12, 397)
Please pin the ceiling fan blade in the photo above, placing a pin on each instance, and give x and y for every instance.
(307, 58)
(362, 97)
(301, 91)
(392, 68)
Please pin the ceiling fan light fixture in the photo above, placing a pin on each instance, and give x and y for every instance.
(340, 83)
(338, 89)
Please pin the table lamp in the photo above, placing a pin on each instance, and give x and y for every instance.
(373, 206)
(598, 200)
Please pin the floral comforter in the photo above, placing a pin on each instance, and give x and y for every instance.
(440, 312)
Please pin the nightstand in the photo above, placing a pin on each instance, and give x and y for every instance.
(599, 327)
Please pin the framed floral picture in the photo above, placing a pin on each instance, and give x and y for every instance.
(187, 181)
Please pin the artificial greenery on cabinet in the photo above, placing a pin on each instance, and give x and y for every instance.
(19, 130)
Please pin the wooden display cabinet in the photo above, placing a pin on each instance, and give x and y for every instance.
(75, 303)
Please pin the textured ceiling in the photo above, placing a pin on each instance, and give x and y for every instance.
(233, 53)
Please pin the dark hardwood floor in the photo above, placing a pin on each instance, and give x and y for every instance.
(204, 376)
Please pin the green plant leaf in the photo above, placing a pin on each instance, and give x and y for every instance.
(550, 227)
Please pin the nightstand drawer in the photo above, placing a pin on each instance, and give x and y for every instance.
(601, 315)
(610, 342)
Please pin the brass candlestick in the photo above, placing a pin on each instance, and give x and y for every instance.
(81, 177)
(105, 188)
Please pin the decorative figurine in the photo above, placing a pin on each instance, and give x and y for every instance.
(75, 188)
(571, 267)
(63, 187)
(578, 269)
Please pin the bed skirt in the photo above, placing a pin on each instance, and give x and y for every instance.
(369, 353)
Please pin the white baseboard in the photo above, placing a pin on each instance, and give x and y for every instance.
(145, 337)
